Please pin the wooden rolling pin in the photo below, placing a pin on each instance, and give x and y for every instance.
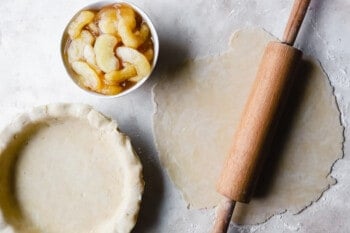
(243, 165)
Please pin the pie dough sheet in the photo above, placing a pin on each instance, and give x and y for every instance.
(197, 111)
(68, 169)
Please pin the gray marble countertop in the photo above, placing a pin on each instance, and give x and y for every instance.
(31, 73)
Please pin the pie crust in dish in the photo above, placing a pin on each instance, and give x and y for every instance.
(67, 168)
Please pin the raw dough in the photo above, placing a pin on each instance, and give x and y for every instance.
(198, 108)
(65, 168)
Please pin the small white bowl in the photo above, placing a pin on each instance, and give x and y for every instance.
(98, 6)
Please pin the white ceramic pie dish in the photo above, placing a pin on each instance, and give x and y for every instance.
(67, 168)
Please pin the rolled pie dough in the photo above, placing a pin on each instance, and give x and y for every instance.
(66, 168)
(197, 111)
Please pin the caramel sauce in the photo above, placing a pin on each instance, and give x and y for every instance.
(146, 48)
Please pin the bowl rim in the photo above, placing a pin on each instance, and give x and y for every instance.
(97, 6)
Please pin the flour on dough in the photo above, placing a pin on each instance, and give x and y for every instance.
(197, 111)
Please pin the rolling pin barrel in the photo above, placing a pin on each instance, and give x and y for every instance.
(245, 159)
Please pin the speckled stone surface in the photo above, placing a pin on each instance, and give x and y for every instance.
(31, 73)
